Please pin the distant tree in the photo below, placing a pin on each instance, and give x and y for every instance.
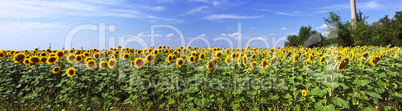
(306, 38)
(361, 32)
(338, 30)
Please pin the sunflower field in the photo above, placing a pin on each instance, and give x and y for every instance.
(191, 78)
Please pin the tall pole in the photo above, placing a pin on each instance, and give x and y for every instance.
(353, 10)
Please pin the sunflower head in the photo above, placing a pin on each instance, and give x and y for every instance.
(304, 92)
(103, 65)
(2, 54)
(150, 58)
(343, 64)
(234, 55)
(96, 55)
(264, 63)
(138, 62)
(26, 62)
(374, 59)
(112, 63)
(218, 54)
(90, 64)
(56, 69)
(34, 60)
(43, 59)
(253, 64)
(71, 58)
(227, 60)
(19, 57)
(212, 64)
(322, 59)
(201, 56)
(180, 62)
(192, 59)
(70, 72)
(253, 56)
(169, 58)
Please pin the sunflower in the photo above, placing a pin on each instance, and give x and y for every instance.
(2, 55)
(374, 59)
(304, 92)
(60, 53)
(125, 56)
(322, 59)
(87, 59)
(201, 56)
(26, 62)
(211, 64)
(169, 58)
(34, 60)
(19, 57)
(96, 55)
(343, 64)
(253, 56)
(244, 60)
(112, 63)
(274, 60)
(365, 54)
(227, 60)
(103, 65)
(150, 58)
(264, 63)
(90, 64)
(180, 62)
(296, 57)
(139, 62)
(56, 69)
(253, 64)
(70, 72)
(71, 58)
(192, 59)
(218, 54)
(43, 59)
(234, 55)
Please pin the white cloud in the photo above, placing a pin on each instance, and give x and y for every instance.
(77, 10)
(253, 28)
(261, 38)
(196, 9)
(169, 35)
(215, 3)
(291, 34)
(322, 27)
(370, 5)
(284, 28)
(272, 34)
(229, 16)
(157, 8)
(235, 35)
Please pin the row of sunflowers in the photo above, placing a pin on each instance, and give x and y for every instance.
(288, 78)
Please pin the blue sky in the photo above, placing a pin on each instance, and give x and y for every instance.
(26, 24)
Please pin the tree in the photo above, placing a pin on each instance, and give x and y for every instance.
(306, 38)
(361, 32)
(338, 30)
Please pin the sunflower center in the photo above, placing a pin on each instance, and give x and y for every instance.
(70, 72)
(139, 62)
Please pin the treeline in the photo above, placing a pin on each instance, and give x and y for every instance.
(386, 31)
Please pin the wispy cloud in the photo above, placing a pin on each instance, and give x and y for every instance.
(196, 10)
(169, 35)
(284, 28)
(229, 16)
(366, 5)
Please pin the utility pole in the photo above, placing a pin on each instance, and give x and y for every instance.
(353, 10)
